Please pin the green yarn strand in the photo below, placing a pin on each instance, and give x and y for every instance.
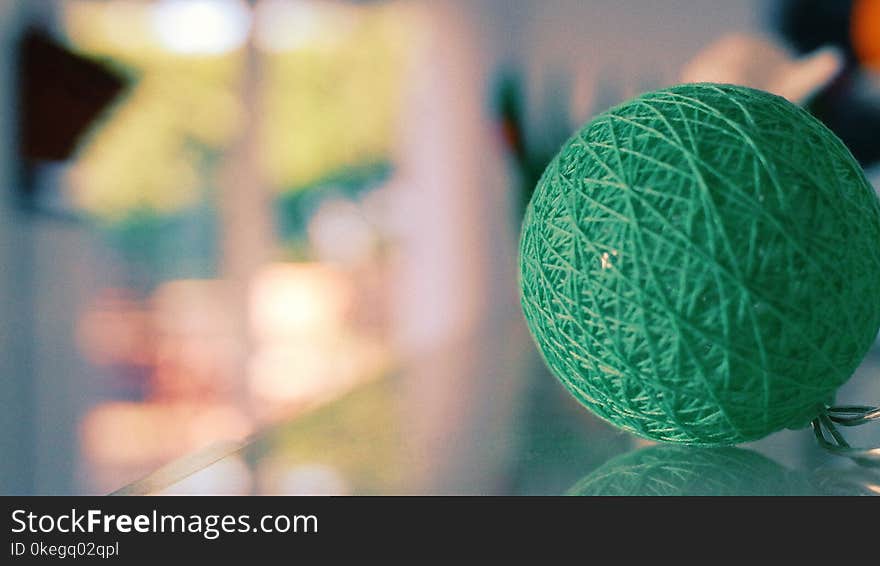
(702, 265)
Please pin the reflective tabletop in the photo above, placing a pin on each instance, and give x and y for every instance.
(363, 443)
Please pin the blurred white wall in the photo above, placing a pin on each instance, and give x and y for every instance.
(455, 301)
(16, 419)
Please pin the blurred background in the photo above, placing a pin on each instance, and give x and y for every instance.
(269, 246)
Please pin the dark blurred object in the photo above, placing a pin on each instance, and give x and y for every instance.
(852, 116)
(531, 153)
(60, 95)
(811, 24)
(843, 106)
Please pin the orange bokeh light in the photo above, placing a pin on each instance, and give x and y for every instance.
(865, 30)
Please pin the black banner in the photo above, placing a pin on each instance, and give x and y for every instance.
(272, 529)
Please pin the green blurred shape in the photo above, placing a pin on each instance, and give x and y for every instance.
(686, 471)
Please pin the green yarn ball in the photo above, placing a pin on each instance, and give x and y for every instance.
(701, 265)
(683, 471)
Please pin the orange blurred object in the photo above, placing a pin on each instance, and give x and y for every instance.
(148, 434)
(865, 30)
